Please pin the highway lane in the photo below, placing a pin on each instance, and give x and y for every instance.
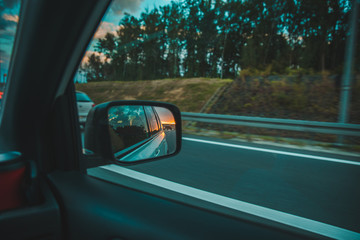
(171, 140)
(303, 185)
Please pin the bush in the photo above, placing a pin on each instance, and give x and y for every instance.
(314, 98)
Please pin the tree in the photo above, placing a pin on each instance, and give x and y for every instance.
(94, 68)
(213, 38)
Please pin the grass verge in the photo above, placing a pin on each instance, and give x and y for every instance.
(189, 95)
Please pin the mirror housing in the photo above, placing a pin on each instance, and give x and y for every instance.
(100, 132)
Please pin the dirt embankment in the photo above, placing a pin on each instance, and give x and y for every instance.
(190, 95)
(313, 98)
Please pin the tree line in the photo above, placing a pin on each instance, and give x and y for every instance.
(218, 38)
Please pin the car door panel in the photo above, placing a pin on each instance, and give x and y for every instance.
(50, 41)
(41, 221)
(97, 209)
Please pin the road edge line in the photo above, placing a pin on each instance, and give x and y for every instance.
(275, 151)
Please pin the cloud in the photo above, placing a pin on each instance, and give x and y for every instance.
(10, 18)
(7, 6)
(104, 28)
(118, 6)
(89, 53)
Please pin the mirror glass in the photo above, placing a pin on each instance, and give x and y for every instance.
(141, 132)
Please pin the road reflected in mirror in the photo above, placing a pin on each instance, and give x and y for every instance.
(141, 132)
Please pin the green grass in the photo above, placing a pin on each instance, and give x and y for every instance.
(189, 95)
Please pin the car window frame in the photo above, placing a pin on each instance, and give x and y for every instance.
(158, 119)
(153, 132)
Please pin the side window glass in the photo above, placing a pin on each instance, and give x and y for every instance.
(272, 78)
(158, 120)
(9, 18)
(127, 126)
(152, 120)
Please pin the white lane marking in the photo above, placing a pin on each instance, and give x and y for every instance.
(275, 151)
(309, 225)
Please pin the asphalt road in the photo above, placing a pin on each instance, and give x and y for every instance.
(303, 183)
(171, 140)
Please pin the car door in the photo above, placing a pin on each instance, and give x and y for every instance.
(75, 202)
(158, 143)
(30, 123)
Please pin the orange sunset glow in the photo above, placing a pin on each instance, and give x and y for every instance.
(168, 122)
(165, 115)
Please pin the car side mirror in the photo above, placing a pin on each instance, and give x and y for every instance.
(131, 131)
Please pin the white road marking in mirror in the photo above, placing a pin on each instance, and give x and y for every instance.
(309, 225)
(275, 151)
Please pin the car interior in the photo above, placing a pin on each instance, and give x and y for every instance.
(41, 149)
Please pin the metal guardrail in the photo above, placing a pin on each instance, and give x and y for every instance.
(344, 129)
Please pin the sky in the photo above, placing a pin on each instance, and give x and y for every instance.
(9, 17)
(166, 117)
(111, 20)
